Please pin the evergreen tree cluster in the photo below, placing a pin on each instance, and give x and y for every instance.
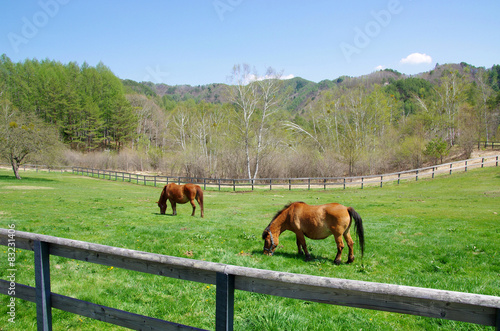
(87, 104)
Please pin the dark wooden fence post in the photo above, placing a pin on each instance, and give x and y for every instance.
(42, 281)
(224, 302)
(498, 319)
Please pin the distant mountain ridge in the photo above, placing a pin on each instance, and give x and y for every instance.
(303, 90)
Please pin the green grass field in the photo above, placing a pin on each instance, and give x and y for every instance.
(441, 233)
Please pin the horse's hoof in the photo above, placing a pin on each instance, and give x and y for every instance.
(337, 262)
(350, 261)
(308, 258)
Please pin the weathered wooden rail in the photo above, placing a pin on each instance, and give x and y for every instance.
(318, 182)
(466, 307)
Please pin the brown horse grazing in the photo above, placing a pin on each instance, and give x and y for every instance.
(180, 194)
(315, 222)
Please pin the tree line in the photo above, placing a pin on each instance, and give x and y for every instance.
(257, 126)
(86, 104)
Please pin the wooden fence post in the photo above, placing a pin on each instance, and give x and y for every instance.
(381, 180)
(498, 319)
(224, 302)
(42, 281)
(451, 166)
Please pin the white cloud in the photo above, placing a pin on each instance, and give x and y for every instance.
(417, 58)
(380, 67)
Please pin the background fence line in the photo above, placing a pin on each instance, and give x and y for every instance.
(466, 307)
(280, 183)
(309, 182)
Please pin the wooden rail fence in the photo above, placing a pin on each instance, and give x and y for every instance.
(318, 182)
(466, 307)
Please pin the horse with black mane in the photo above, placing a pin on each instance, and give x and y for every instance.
(315, 222)
(180, 194)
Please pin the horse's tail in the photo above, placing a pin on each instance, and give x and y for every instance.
(359, 228)
(199, 198)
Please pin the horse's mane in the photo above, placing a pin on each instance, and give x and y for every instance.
(163, 195)
(276, 216)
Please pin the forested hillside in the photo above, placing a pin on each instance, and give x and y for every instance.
(266, 128)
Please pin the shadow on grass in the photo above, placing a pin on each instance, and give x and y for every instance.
(298, 257)
(24, 179)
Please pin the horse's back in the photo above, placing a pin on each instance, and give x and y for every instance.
(319, 221)
(336, 209)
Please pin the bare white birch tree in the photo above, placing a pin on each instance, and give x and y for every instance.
(255, 100)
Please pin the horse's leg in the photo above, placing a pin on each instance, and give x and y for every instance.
(301, 241)
(194, 206)
(173, 208)
(299, 247)
(340, 247)
(200, 202)
(350, 244)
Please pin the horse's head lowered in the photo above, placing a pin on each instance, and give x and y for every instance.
(163, 207)
(162, 203)
(269, 242)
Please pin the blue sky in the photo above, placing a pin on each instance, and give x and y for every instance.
(198, 42)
